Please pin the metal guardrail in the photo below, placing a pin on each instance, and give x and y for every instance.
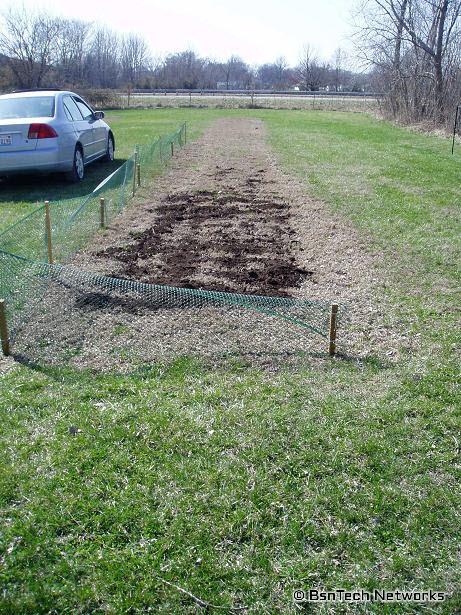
(249, 92)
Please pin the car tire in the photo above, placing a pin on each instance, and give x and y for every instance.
(78, 168)
(109, 155)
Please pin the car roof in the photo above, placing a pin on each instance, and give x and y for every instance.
(35, 93)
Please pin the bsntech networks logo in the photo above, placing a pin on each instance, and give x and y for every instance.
(361, 595)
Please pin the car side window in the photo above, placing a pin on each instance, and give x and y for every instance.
(86, 112)
(71, 109)
(67, 112)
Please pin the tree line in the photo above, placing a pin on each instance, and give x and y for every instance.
(187, 70)
(41, 50)
(414, 48)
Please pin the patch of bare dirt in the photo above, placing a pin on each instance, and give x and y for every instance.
(230, 240)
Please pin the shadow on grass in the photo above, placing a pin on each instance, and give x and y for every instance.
(184, 364)
(358, 361)
(180, 365)
(38, 188)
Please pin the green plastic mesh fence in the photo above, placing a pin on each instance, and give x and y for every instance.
(59, 314)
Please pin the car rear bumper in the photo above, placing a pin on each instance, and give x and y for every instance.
(44, 160)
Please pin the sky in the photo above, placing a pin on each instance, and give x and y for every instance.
(258, 31)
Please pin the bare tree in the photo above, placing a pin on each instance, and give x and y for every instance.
(415, 46)
(305, 66)
(338, 61)
(281, 72)
(134, 56)
(72, 46)
(310, 72)
(229, 69)
(430, 25)
(102, 67)
(28, 41)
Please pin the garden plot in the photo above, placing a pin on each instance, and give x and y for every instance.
(223, 218)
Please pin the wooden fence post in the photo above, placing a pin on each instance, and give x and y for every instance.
(332, 339)
(48, 232)
(135, 164)
(4, 329)
(102, 212)
(455, 125)
(138, 174)
(172, 149)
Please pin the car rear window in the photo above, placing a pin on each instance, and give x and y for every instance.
(30, 106)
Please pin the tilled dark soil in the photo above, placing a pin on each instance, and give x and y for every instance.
(231, 239)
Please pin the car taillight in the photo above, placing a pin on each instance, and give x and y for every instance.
(41, 131)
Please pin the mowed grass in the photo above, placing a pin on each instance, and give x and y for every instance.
(240, 485)
(21, 194)
(402, 190)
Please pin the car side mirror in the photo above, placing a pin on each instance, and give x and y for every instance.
(98, 115)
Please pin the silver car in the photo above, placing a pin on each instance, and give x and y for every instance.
(51, 131)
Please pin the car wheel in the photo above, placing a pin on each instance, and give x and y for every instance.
(78, 168)
(109, 157)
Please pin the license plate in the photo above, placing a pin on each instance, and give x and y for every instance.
(5, 140)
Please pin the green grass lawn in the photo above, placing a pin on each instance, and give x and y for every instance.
(241, 485)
